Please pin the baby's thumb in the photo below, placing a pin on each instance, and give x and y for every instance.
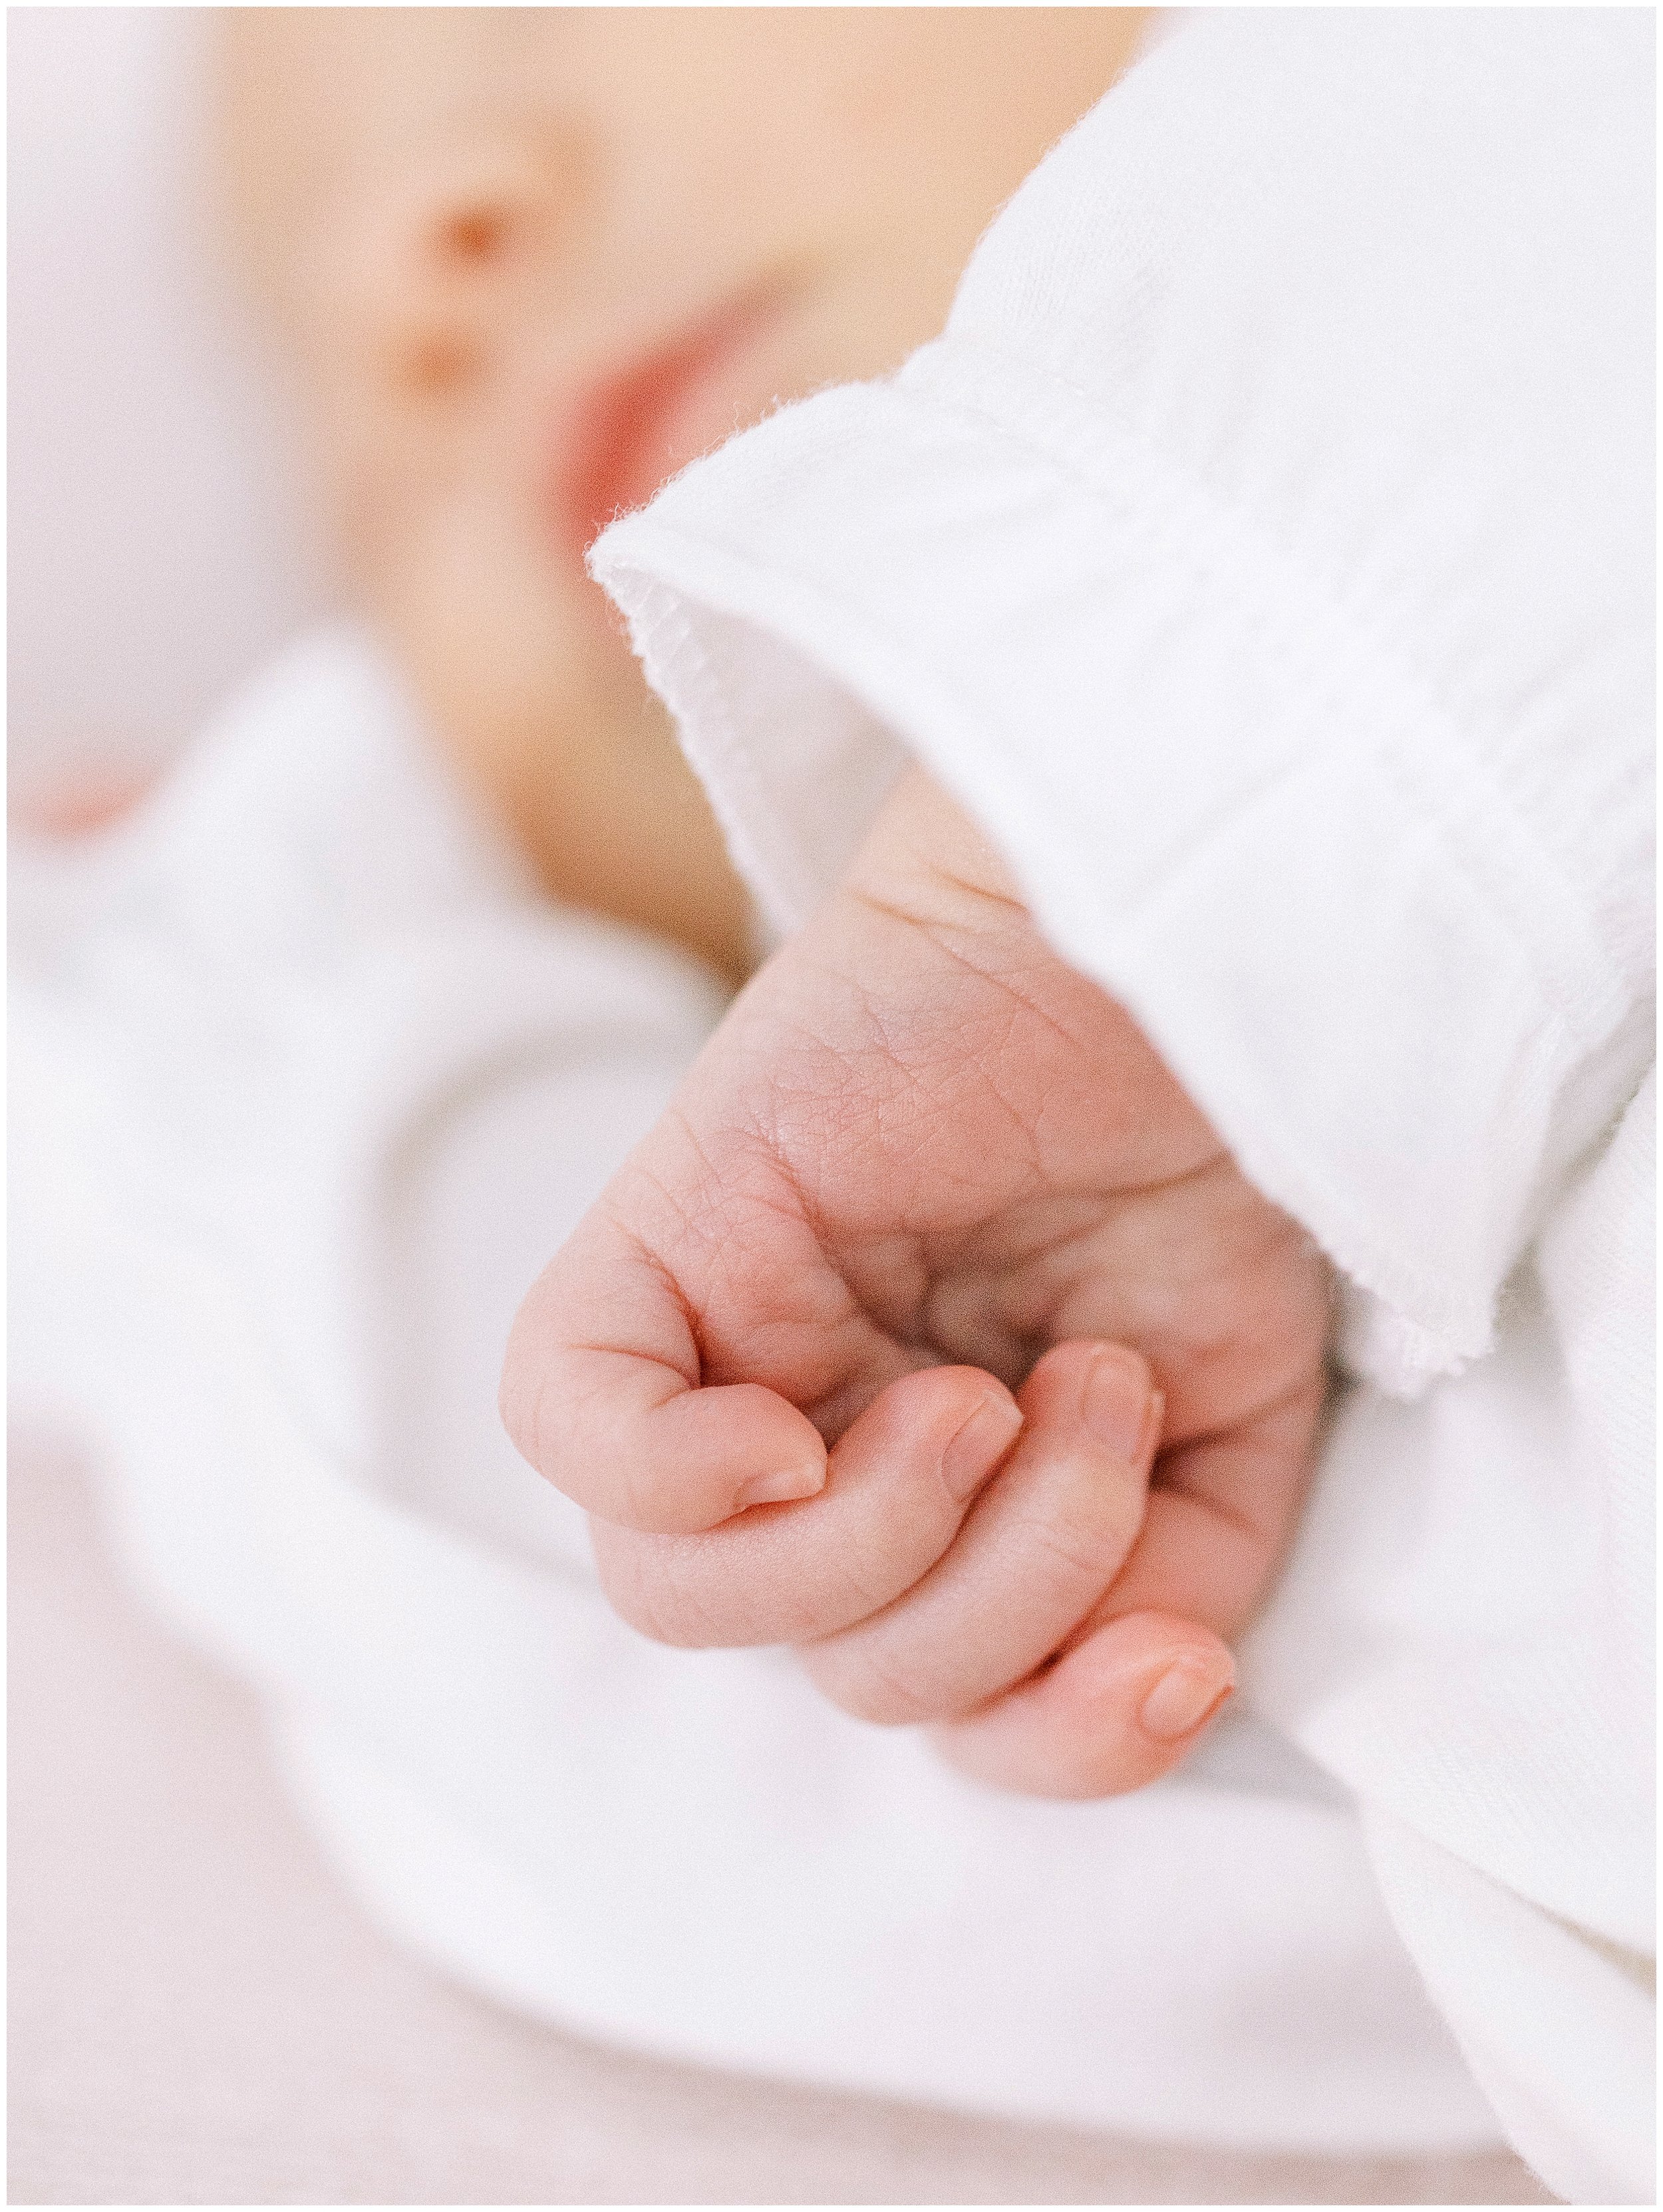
(601, 1393)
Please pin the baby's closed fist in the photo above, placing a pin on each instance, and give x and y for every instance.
(923, 1166)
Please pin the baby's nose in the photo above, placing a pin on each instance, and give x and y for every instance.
(447, 265)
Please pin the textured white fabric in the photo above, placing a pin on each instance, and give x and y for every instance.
(306, 1086)
(196, 2015)
(1263, 555)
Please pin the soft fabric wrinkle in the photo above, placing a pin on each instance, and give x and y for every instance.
(684, 1853)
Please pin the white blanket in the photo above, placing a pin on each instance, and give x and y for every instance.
(1264, 554)
(306, 1086)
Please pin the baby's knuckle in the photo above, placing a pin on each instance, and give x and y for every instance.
(860, 1683)
(519, 1402)
(639, 1580)
(1064, 1557)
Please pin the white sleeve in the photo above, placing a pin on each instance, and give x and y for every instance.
(1263, 555)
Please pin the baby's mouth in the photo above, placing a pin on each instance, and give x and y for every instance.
(629, 432)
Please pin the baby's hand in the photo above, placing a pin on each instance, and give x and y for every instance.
(920, 1138)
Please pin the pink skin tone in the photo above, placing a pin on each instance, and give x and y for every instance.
(933, 1331)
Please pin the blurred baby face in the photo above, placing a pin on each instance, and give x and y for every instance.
(639, 225)
(532, 260)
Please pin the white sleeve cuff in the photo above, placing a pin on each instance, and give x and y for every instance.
(1226, 802)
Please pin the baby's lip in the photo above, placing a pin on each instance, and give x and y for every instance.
(619, 443)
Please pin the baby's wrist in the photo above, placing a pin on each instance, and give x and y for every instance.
(923, 851)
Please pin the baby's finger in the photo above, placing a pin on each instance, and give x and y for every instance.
(1125, 1702)
(1032, 1559)
(600, 1394)
(1116, 1711)
(902, 1478)
(1220, 1515)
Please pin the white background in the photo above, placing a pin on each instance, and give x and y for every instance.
(155, 550)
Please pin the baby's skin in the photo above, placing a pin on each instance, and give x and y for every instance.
(934, 1331)
(528, 261)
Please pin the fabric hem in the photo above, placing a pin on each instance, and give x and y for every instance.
(677, 564)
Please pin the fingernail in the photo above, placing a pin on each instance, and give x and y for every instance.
(779, 1488)
(1185, 1694)
(1122, 1410)
(980, 1444)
